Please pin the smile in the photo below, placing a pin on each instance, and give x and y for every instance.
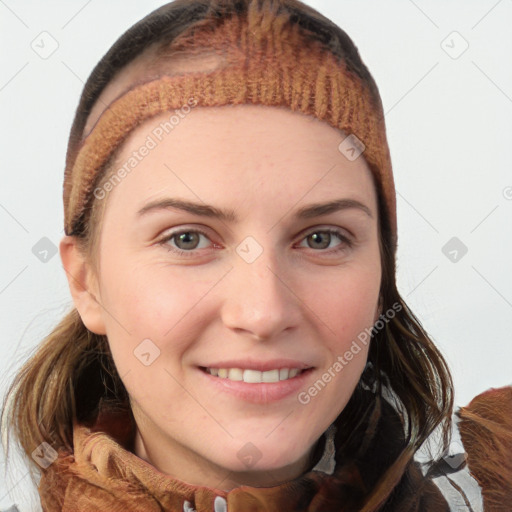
(254, 376)
(256, 386)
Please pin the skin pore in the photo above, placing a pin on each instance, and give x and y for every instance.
(305, 297)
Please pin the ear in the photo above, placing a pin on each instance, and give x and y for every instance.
(82, 285)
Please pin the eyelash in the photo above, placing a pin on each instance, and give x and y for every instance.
(346, 243)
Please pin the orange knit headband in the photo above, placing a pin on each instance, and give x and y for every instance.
(265, 63)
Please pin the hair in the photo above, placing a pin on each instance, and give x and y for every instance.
(73, 369)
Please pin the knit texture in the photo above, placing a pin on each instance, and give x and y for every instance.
(265, 60)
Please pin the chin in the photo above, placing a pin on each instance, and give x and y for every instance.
(250, 459)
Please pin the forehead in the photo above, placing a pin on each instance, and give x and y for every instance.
(263, 154)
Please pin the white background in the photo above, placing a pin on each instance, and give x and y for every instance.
(449, 123)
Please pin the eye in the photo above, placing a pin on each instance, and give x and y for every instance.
(186, 241)
(322, 238)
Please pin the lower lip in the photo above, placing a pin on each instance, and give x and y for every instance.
(259, 393)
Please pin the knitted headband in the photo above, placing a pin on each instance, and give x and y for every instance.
(265, 61)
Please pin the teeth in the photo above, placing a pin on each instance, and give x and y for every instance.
(254, 376)
(235, 374)
(270, 376)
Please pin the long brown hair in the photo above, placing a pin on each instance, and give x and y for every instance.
(73, 369)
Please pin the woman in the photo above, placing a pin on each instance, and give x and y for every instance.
(216, 358)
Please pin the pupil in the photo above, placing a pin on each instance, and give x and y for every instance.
(186, 238)
(318, 238)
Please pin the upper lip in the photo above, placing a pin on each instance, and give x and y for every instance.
(262, 366)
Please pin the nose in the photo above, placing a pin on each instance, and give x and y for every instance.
(260, 300)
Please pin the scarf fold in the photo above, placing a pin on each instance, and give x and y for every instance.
(102, 474)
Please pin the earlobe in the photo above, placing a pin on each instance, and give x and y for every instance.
(82, 285)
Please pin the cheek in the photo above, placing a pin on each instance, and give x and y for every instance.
(345, 317)
(148, 301)
(147, 330)
(351, 304)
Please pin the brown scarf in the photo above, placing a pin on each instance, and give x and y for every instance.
(102, 474)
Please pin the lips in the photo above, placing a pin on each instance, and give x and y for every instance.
(261, 392)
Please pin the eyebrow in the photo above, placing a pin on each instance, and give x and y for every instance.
(205, 210)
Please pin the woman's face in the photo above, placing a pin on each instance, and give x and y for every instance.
(245, 276)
